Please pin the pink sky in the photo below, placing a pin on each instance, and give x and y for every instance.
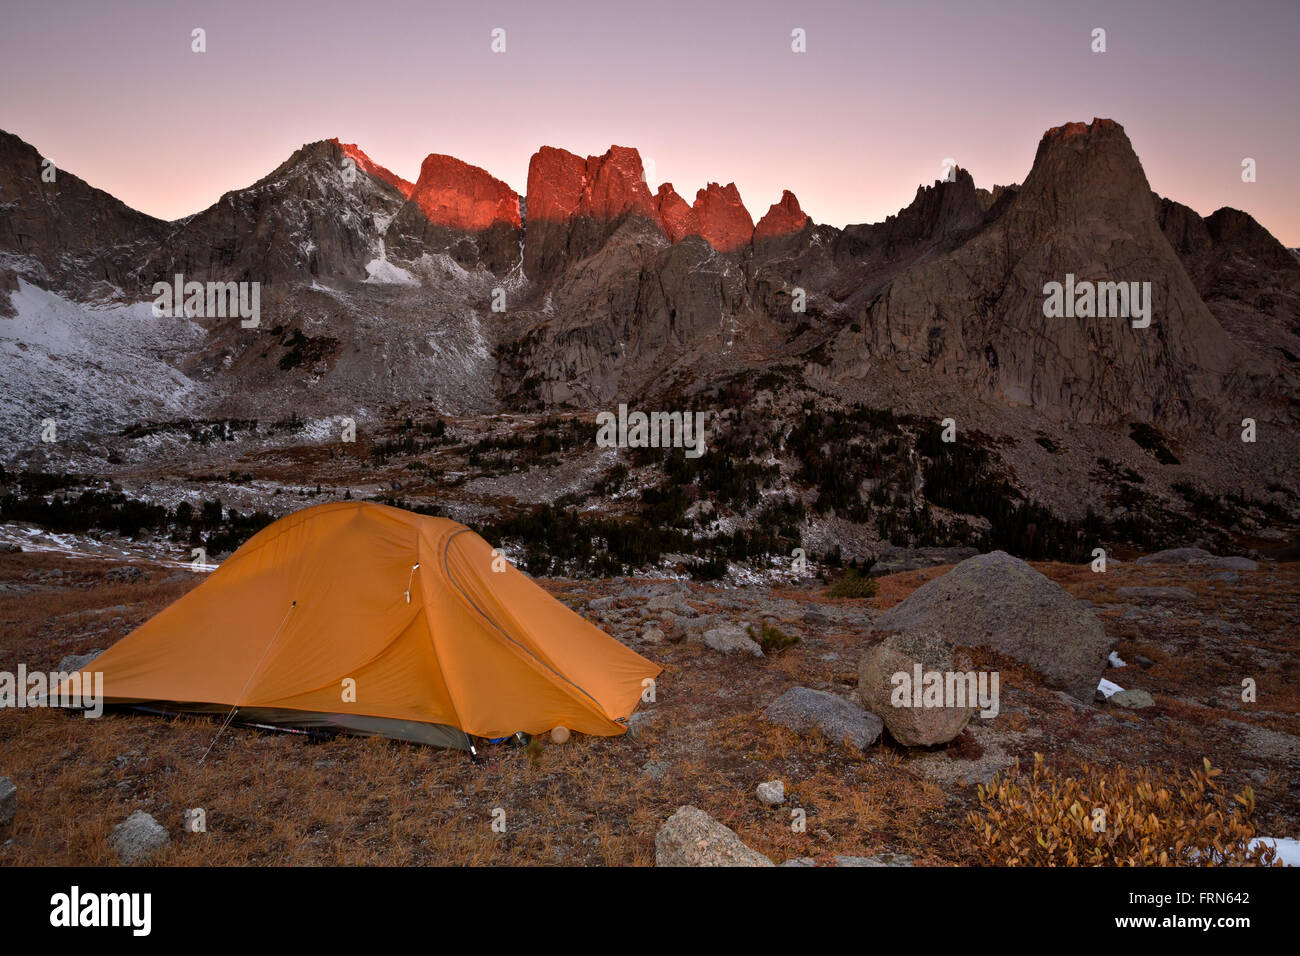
(709, 91)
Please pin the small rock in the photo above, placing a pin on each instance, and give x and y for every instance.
(1232, 564)
(637, 723)
(601, 603)
(800, 861)
(983, 775)
(652, 635)
(1227, 577)
(880, 859)
(137, 838)
(1073, 701)
(701, 623)
(1131, 699)
(729, 639)
(802, 709)
(8, 800)
(77, 662)
(1106, 689)
(8, 547)
(1159, 593)
(771, 793)
(1177, 556)
(655, 769)
(690, 837)
(127, 574)
(560, 735)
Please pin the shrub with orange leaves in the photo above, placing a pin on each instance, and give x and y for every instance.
(1116, 817)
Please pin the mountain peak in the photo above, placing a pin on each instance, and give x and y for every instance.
(369, 166)
(452, 193)
(1088, 167)
(615, 183)
(1074, 130)
(784, 216)
(675, 214)
(724, 221)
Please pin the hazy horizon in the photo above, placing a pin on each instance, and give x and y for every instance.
(852, 127)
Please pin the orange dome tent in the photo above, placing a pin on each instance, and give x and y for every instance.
(374, 620)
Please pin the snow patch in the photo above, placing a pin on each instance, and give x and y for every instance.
(383, 272)
(90, 366)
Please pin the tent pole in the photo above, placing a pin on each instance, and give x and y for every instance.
(231, 716)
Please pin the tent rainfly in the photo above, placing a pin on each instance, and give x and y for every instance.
(372, 620)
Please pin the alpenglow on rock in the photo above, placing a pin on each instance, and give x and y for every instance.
(1000, 602)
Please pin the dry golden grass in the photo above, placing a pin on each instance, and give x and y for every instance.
(274, 799)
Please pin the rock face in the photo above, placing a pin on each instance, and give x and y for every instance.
(66, 233)
(459, 196)
(690, 837)
(900, 652)
(976, 314)
(1248, 280)
(461, 210)
(615, 184)
(938, 217)
(675, 214)
(782, 218)
(303, 221)
(1001, 602)
(8, 800)
(802, 710)
(137, 838)
(371, 168)
(574, 205)
(725, 223)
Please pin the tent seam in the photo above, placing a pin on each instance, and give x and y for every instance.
(446, 567)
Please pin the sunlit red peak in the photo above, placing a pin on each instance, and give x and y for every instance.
(367, 165)
(724, 220)
(783, 217)
(455, 194)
